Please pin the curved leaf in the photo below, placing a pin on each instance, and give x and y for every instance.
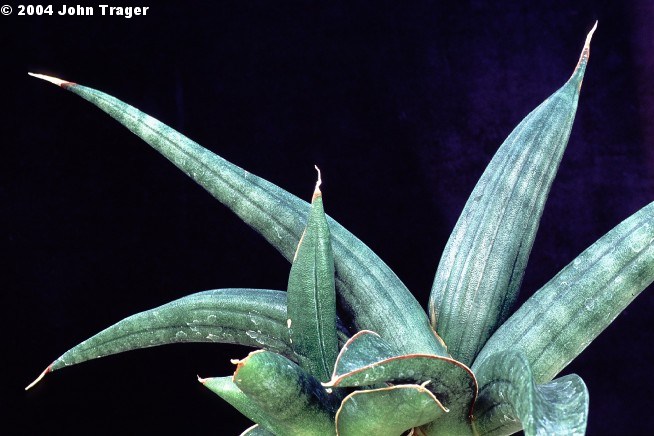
(257, 430)
(294, 401)
(480, 271)
(450, 381)
(568, 312)
(388, 411)
(252, 317)
(362, 349)
(509, 400)
(368, 289)
(312, 296)
(225, 388)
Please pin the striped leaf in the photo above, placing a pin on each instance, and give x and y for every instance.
(481, 269)
(252, 317)
(571, 310)
(312, 296)
(510, 400)
(369, 290)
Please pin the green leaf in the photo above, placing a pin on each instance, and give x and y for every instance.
(369, 290)
(225, 388)
(480, 271)
(509, 399)
(293, 400)
(252, 317)
(362, 349)
(312, 296)
(388, 411)
(567, 313)
(450, 381)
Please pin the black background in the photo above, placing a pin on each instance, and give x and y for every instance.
(401, 104)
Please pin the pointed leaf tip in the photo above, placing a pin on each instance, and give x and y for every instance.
(481, 269)
(38, 379)
(56, 81)
(280, 217)
(316, 192)
(585, 52)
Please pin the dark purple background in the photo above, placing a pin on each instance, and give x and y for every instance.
(401, 105)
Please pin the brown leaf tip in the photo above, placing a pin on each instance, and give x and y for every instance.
(316, 191)
(63, 83)
(38, 379)
(240, 363)
(585, 52)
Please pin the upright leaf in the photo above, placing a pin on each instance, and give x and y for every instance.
(510, 400)
(481, 269)
(312, 295)
(559, 321)
(369, 290)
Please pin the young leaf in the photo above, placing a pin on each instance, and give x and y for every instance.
(509, 399)
(480, 271)
(369, 290)
(294, 401)
(312, 295)
(362, 349)
(253, 317)
(388, 411)
(568, 312)
(225, 388)
(450, 381)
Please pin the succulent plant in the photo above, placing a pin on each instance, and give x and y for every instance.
(348, 350)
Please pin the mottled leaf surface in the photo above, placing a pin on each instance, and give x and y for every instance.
(568, 312)
(252, 317)
(312, 296)
(368, 289)
(482, 267)
(387, 411)
(294, 401)
(509, 399)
